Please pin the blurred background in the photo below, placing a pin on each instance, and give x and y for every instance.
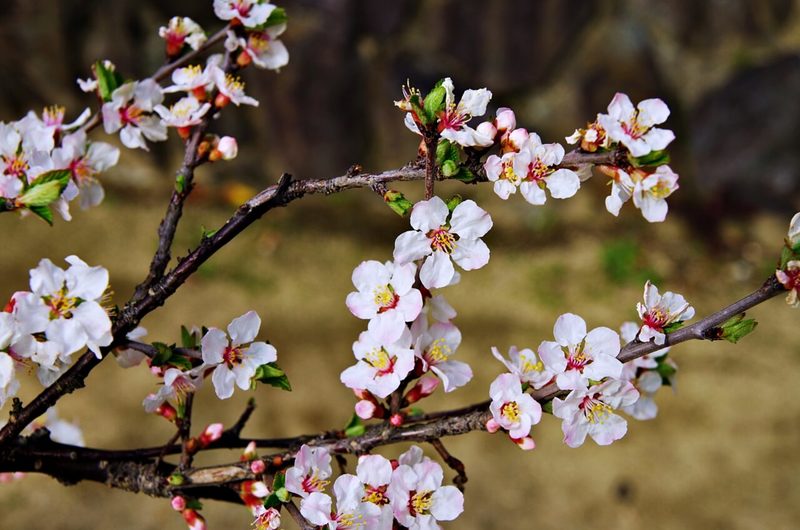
(723, 451)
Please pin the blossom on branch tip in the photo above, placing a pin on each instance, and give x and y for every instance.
(453, 120)
(226, 148)
(790, 279)
(526, 365)
(661, 311)
(192, 79)
(266, 518)
(130, 110)
(375, 473)
(262, 48)
(577, 356)
(512, 409)
(440, 236)
(648, 189)
(794, 230)
(590, 411)
(231, 89)
(85, 160)
(592, 138)
(633, 127)
(181, 31)
(235, 360)
(186, 112)
(310, 473)
(534, 165)
(386, 296)
(250, 13)
(177, 385)
(381, 365)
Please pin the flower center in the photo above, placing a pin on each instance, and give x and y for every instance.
(232, 356)
(577, 360)
(53, 115)
(660, 190)
(656, 318)
(81, 170)
(17, 167)
(376, 495)
(349, 520)
(509, 174)
(452, 118)
(442, 239)
(633, 128)
(130, 114)
(385, 298)
(420, 502)
(234, 84)
(379, 359)
(537, 171)
(61, 305)
(439, 351)
(530, 366)
(314, 483)
(510, 411)
(258, 42)
(595, 410)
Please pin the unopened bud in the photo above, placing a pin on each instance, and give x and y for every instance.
(184, 132)
(365, 409)
(249, 452)
(397, 420)
(424, 388)
(526, 443)
(228, 147)
(505, 120)
(167, 411)
(244, 59)
(211, 433)
(221, 100)
(487, 128)
(257, 467)
(178, 503)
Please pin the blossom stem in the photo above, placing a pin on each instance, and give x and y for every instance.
(431, 141)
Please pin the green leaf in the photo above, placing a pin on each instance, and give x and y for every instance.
(415, 412)
(43, 212)
(279, 481)
(398, 202)
(55, 175)
(277, 17)
(271, 374)
(272, 501)
(674, 326)
(180, 183)
(194, 504)
(737, 327)
(355, 427)
(416, 107)
(434, 102)
(188, 339)
(449, 168)
(653, 158)
(465, 175)
(283, 494)
(787, 255)
(176, 479)
(45, 189)
(666, 371)
(454, 201)
(206, 232)
(547, 407)
(163, 354)
(107, 80)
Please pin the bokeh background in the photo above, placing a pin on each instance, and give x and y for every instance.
(723, 451)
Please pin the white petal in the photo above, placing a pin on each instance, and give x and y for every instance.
(244, 328)
(430, 214)
(470, 221)
(437, 271)
(569, 329)
(563, 183)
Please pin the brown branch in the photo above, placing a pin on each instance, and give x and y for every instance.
(455, 464)
(291, 507)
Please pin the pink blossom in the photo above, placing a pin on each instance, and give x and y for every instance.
(633, 127)
(381, 365)
(526, 365)
(512, 409)
(310, 473)
(435, 345)
(661, 311)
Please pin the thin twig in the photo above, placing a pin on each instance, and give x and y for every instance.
(291, 507)
(185, 430)
(455, 464)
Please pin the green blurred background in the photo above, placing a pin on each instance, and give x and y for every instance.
(723, 451)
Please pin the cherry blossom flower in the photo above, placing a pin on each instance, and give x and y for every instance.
(9, 384)
(435, 345)
(182, 31)
(65, 306)
(633, 127)
(500, 170)
(250, 13)
(226, 148)
(310, 473)
(790, 279)
(385, 295)
(794, 230)
(661, 311)
(375, 473)
(41, 134)
(231, 89)
(438, 239)
(592, 138)
(186, 112)
(513, 410)
(266, 518)
(192, 79)
(643, 373)
(381, 365)
(262, 48)
(418, 498)
(237, 359)
(577, 356)
(177, 385)
(453, 120)
(534, 165)
(130, 110)
(628, 332)
(526, 365)
(350, 512)
(85, 160)
(591, 411)
(650, 192)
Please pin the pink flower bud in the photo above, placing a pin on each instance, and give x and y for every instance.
(212, 433)
(258, 466)
(515, 140)
(505, 120)
(228, 147)
(165, 410)
(492, 426)
(365, 409)
(249, 452)
(397, 420)
(424, 388)
(526, 443)
(194, 520)
(488, 129)
(178, 503)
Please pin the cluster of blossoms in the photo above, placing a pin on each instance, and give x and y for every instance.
(62, 313)
(645, 177)
(410, 335)
(408, 490)
(585, 364)
(789, 271)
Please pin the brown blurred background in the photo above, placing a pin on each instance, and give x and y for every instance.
(723, 452)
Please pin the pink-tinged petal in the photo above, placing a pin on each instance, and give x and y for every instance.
(611, 429)
(261, 353)
(552, 356)
(470, 221)
(652, 112)
(447, 503)
(621, 108)
(362, 304)
(387, 327)
(794, 229)
(403, 277)
(526, 443)
(504, 189)
(574, 432)
(644, 409)
(410, 305)
(370, 274)
(131, 137)
(471, 254)
(530, 407)
(497, 355)
(603, 366)
(383, 385)
(658, 139)
(569, 329)
(213, 346)
(223, 380)
(493, 167)
(316, 508)
(244, 328)
(437, 270)
(410, 246)
(563, 183)
(348, 490)
(454, 374)
(374, 470)
(533, 193)
(243, 373)
(573, 379)
(492, 426)
(358, 376)
(430, 214)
